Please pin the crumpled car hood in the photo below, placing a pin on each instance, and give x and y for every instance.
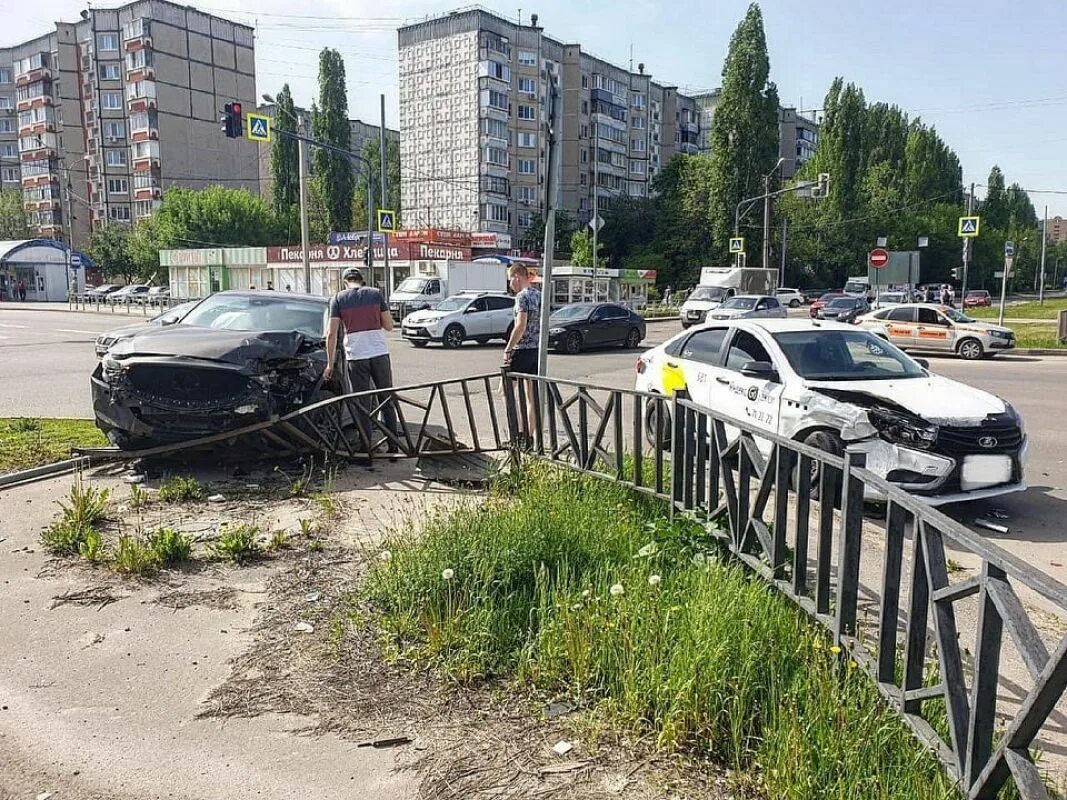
(234, 347)
(937, 400)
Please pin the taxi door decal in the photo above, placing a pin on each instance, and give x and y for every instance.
(672, 379)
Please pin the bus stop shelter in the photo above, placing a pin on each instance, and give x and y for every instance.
(41, 265)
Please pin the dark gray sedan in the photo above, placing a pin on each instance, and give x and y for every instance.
(844, 309)
(581, 326)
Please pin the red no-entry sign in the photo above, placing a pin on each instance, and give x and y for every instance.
(878, 257)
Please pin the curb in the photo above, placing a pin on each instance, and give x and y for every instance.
(40, 473)
(1025, 352)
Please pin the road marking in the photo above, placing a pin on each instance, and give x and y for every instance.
(8, 325)
(76, 330)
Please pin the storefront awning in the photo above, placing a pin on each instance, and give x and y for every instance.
(18, 252)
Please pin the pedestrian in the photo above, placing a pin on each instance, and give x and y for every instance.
(520, 353)
(22, 290)
(364, 315)
(667, 296)
(251, 287)
(288, 288)
(944, 295)
(270, 286)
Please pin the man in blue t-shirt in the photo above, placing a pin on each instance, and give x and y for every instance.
(520, 353)
(363, 313)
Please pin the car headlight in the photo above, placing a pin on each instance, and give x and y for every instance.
(898, 428)
(1010, 410)
(555, 331)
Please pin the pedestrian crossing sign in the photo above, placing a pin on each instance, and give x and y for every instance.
(968, 228)
(737, 244)
(258, 128)
(386, 221)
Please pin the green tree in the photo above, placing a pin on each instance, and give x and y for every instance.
(329, 124)
(12, 216)
(994, 209)
(534, 237)
(284, 156)
(110, 250)
(582, 249)
(372, 153)
(744, 130)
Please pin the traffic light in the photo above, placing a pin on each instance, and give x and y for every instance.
(232, 122)
(822, 188)
(368, 254)
(955, 273)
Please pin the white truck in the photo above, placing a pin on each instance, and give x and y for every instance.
(432, 281)
(719, 284)
(859, 287)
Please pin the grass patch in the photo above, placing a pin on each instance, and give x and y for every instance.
(575, 587)
(180, 489)
(170, 546)
(1037, 336)
(27, 442)
(135, 556)
(84, 508)
(1030, 310)
(237, 543)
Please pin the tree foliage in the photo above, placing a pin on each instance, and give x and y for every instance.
(582, 249)
(744, 130)
(534, 237)
(12, 216)
(112, 255)
(329, 124)
(372, 153)
(284, 156)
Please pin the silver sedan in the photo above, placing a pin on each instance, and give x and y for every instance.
(750, 306)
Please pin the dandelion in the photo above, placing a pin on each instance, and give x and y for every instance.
(576, 607)
(385, 555)
(646, 551)
(852, 665)
(835, 650)
(699, 559)
(616, 590)
(448, 574)
(586, 594)
(816, 645)
(653, 580)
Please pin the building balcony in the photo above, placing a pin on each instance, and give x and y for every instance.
(37, 128)
(38, 101)
(136, 35)
(604, 96)
(41, 73)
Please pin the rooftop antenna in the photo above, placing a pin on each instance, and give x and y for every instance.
(520, 17)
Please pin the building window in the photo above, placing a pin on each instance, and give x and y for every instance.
(111, 100)
(585, 81)
(527, 112)
(528, 86)
(114, 131)
(527, 139)
(527, 166)
(495, 212)
(115, 158)
(9, 174)
(109, 72)
(585, 156)
(527, 194)
(495, 184)
(524, 218)
(498, 100)
(583, 132)
(637, 145)
(496, 155)
(637, 167)
(638, 122)
(109, 41)
(138, 59)
(118, 186)
(9, 149)
(585, 106)
(5, 101)
(496, 128)
(5, 75)
(7, 125)
(582, 179)
(527, 59)
(639, 100)
(120, 213)
(502, 72)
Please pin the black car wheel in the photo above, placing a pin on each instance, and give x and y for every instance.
(828, 442)
(794, 303)
(419, 342)
(572, 345)
(481, 339)
(633, 339)
(454, 336)
(658, 423)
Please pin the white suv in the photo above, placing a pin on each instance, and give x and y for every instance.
(790, 297)
(480, 316)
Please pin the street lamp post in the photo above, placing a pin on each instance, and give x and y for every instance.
(765, 261)
(305, 245)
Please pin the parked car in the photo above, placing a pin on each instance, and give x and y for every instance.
(844, 309)
(237, 358)
(933, 327)
(128, 294)
(817, 306)
(836, 386)
(790, 297)
(749, 306)
(977, 298)
(580, 326)
(155, 296)
(169, 317)
(890, 299)
(811, 295)
(99, 293)
(480, 316)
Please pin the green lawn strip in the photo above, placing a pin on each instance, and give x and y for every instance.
(1031, 310)
(29, 442)
(576, 587)
(1037, 336)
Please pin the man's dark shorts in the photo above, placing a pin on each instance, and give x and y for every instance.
(524, 361)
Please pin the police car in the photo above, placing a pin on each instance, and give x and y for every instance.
(836, 386)
(923, 326)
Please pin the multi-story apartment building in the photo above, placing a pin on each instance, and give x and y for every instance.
(10, 174)
(123, 104)
(1056, 232)
(361, 133)
(475, 93)
(799, 136)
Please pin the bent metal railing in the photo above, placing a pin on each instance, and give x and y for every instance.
(808, 538)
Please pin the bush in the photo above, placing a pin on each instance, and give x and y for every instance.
(87, 506)
(65, 538)
(577, 587)
(236, 543)
(92, 547)
(170, 546)
(135, 557)
(179, 489)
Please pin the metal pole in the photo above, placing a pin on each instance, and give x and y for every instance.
(596, 212)
(1004, 287)
(305, 244)
(70, 228)
(382, 152)
(1044, 246)
(370, 223)
(550, 234)
(968, 244)
(765, 261)
(781, 269)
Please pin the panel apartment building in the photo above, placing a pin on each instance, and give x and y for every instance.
(123, 104)
(474, 96)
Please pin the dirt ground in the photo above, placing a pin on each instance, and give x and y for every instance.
(221, 681)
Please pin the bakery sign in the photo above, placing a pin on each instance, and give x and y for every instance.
(342, 253)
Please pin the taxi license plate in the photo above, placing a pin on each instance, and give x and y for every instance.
(980, 472)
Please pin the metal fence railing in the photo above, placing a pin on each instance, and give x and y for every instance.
(930, 638)
(136, 307)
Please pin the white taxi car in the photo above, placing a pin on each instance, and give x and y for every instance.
(921, 326)
(836, 386)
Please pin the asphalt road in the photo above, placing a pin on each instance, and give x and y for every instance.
(47, 356)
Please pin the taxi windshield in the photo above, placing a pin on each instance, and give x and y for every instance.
(956, 316)
(845, 356)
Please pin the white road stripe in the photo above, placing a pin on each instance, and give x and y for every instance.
(76, 330)
(7, 325)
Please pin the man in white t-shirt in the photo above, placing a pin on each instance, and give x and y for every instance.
(365, 317)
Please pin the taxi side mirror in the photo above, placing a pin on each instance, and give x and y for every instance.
(761, 370)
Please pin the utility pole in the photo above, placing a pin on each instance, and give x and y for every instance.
(550, 229)
(385, 236)
(766, 260)
(781, 268)
(967, 245)
(596, 210)
(1044, 246)
(70, 228)
(305, 235)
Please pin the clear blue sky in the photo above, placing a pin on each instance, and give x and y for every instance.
(991, 77)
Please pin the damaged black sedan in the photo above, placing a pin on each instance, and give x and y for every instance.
(238, 358)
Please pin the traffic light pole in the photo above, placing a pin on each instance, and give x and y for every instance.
(968, 245)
